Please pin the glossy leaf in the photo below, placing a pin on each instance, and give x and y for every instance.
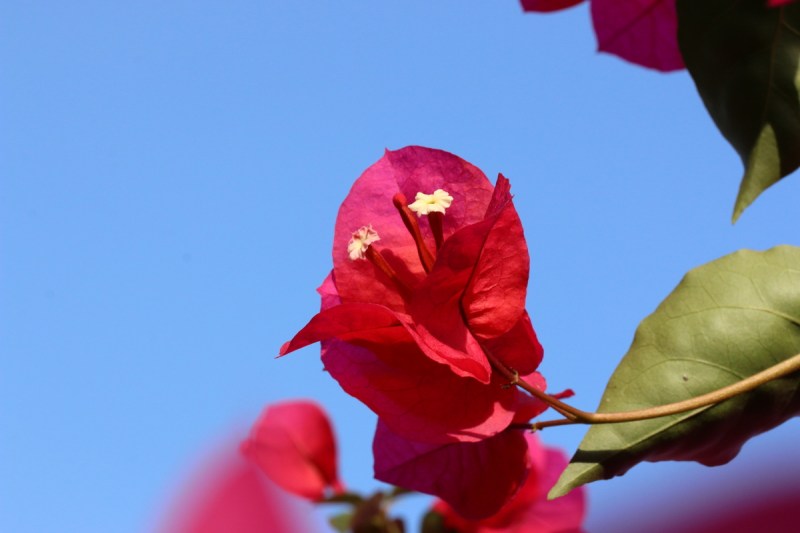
(744, 58)
(725, 321)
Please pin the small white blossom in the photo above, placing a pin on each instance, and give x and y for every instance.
(437, 202)
(360, 241)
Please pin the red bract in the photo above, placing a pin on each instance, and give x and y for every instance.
(407, 330)
(293, 443)
(529, 511)
(644, 32)
(475, 478)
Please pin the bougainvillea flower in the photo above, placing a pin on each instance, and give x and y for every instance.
(293, 444)
(230, 495)
(423, 294)
(644, 32)
(529, 510)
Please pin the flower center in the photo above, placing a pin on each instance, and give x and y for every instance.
(432, 205)
(360, 247)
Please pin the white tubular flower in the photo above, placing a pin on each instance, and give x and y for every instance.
(360, 241)
(437, 202)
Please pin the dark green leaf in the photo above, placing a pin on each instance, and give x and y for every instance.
(433, 522)
(725, 321)
(745, 60)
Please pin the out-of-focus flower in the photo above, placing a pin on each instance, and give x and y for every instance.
(529, 511)
(420, 295)
(293, 444)
(230, 495)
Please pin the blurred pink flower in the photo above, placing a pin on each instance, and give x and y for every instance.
(292, 442)
(230, 495)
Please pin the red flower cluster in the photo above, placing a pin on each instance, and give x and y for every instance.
(425, 300)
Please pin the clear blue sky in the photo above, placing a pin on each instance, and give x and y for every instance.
(169, 177)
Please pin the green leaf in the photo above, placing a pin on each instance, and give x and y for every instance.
(341, 522)
(725, 321)
(744, 58)
(433, 522)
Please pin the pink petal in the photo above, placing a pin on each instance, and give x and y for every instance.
(229, 495)
(494, 299)
(417, 397)
(409, 170)
(529, 510)
(293, 443)
(375, 323)
(562, 515)
(544, 6)
(778, 3)
(346, 321)
(476, 478)
(644, 32)
(328, 293)
(519, 348)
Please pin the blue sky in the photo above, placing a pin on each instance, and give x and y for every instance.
(169, 178)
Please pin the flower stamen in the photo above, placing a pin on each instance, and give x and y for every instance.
(360, 247)
(434, 205)
(360, 242)
(412, 225)
(425, 204)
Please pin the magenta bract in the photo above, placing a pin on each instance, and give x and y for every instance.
(529, 510)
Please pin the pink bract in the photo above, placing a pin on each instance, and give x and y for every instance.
(293, 444)
(411, 344)
(644, 32)
(529, 510)
(475, 478)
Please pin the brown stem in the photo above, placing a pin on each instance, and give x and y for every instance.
(576, 416)
(513, 377)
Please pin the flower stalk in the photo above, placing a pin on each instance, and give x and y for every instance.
(573, 415)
